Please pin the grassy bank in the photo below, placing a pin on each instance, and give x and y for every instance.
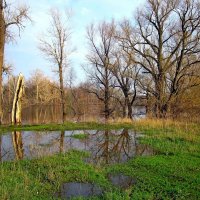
(149, 124)
(66, 126)
(173, 173)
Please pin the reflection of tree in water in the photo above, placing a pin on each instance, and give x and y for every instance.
(105, 146)
(122, 146)
(143, 149)
(62, 136)
(113, 148)
(18, 144)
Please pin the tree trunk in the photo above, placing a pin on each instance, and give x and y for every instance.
(124, 110)
(161, 109)
(106, 97)
(130, 111)
(17, 108)
(106, 109)
(161, 106)
(128, 107)
(2, 45)
(37, 114)
(107, 93)
(62, 95)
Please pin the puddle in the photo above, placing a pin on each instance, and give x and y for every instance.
(121, 181)
(71, 190)
(74, 189)
(105, 147)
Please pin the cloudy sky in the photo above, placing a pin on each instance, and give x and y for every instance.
(24, 54)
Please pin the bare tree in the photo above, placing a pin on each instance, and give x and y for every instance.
(42, 96)
(126, 73)
(166, 44)
(56, 47)
(40, 90)
(9, 17)
(101, 39)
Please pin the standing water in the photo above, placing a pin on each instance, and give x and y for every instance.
(105, 147)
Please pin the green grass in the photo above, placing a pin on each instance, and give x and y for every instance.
(80, 136)
(65, 126)
(174, 173)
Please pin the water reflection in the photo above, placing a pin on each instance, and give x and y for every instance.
(112, 148)
(62, 136)
(71, 190)
(106, 147)
(18, 144)
(37, 114)
(121, 181)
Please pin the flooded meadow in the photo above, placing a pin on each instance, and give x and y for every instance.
(104, 147)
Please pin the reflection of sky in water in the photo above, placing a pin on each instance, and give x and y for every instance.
(70, 190)
(105, 146)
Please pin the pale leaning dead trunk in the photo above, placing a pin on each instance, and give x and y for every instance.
(17, 107)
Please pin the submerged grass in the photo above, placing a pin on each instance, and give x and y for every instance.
(80, 136)
(174, 173)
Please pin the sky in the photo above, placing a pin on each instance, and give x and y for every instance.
(24, 54)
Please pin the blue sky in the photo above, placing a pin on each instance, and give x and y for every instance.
(24, 54)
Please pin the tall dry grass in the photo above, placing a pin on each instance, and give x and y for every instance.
(167, 127)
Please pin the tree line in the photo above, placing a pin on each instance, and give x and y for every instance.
(153, 56)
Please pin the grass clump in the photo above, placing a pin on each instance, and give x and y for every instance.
(80, 136)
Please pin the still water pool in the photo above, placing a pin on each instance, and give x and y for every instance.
(105, 147)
